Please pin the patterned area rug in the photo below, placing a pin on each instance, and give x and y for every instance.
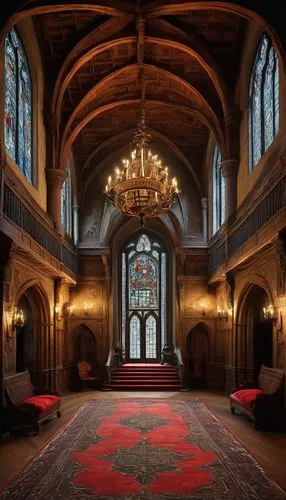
(143, 449)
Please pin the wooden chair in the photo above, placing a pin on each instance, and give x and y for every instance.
(86, 375)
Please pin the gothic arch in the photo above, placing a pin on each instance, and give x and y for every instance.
(40, 323)
(197, 354)
(84, 345)
(253, 336)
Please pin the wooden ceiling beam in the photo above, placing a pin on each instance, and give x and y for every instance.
(207, 66)
(82, 53)
(124, 138)
(106, 81)
(74, 131)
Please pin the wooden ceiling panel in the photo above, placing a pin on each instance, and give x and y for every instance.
(182, 64)
(199, 49)
(96, 69)
(59, 31)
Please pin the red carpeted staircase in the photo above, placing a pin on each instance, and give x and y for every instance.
(145, 377)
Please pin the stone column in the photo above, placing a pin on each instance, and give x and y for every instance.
(205, 218)
(229, 172)
(55, 179)
(75, 219)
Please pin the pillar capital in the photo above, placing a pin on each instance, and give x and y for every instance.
(229, 167)
(204, 202)
(55, 177)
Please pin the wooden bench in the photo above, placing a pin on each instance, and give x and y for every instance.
(27, 406)
(263, 402)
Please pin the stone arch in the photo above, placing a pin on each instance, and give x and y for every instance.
(84, 345)
(197, 355)
(33, 298)
(124, 233)
(254, 335)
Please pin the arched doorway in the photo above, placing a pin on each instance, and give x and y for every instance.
(255, 343)
(85, 346)
(24, 338)
(143, 298)
(33, 348)
(197, 356)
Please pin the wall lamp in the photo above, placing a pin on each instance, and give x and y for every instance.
(222, 314)
(269, 313)
(18, 318)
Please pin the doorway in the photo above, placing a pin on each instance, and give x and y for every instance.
(197, 356)
(85, 346)
(256, 342)
(24, 338)
(144, 299)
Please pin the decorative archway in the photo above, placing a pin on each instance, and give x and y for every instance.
(144, 297)
(84, 345)
(197, 356)
(254, 334)
(33, 346)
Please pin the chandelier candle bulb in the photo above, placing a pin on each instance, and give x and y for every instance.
(142, 189)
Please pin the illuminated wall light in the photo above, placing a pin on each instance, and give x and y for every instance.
(204, 308)
(269, 313)
(87, 307)
(57, 309)
(222, 314)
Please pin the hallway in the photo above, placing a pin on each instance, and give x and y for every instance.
(268, 448)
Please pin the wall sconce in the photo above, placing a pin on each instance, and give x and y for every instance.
(204, 308)
(18, 318)
(222, 314)
(70, 310)
(269, 313)
(87, 307)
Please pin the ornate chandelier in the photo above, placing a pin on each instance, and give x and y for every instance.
(141, 187)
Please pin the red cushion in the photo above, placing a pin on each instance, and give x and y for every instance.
(43, 402)
(246, 396)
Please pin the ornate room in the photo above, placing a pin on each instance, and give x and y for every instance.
(143, 249)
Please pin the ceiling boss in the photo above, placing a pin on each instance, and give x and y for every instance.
(141, 187)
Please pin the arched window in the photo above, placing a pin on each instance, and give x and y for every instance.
(66, 202)
(263, 101)
(18, 105)
(218, 191)
(144, 299)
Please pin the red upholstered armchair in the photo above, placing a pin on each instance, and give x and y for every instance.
(29, 407)
(86, 375)
(263, 401)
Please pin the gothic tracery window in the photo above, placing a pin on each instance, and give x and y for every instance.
(67, 202)
(218, 191)
(18, 105)
(143, 312)
(263, 101)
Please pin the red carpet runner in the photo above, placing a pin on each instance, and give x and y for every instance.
(143, 449)
(145, 377)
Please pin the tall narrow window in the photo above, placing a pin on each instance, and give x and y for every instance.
(144, 299)
(18, 105)
(66, 202)
(218, 191)
(263, 101)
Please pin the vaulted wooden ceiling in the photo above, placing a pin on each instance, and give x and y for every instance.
(90, 52)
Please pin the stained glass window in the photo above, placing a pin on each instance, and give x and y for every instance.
(163, 299)
(18, 105)
(218, 191)
(263, 101)
(151, 338)
(143, 311)
(143, 283)
(135, 340)
(66, 202)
